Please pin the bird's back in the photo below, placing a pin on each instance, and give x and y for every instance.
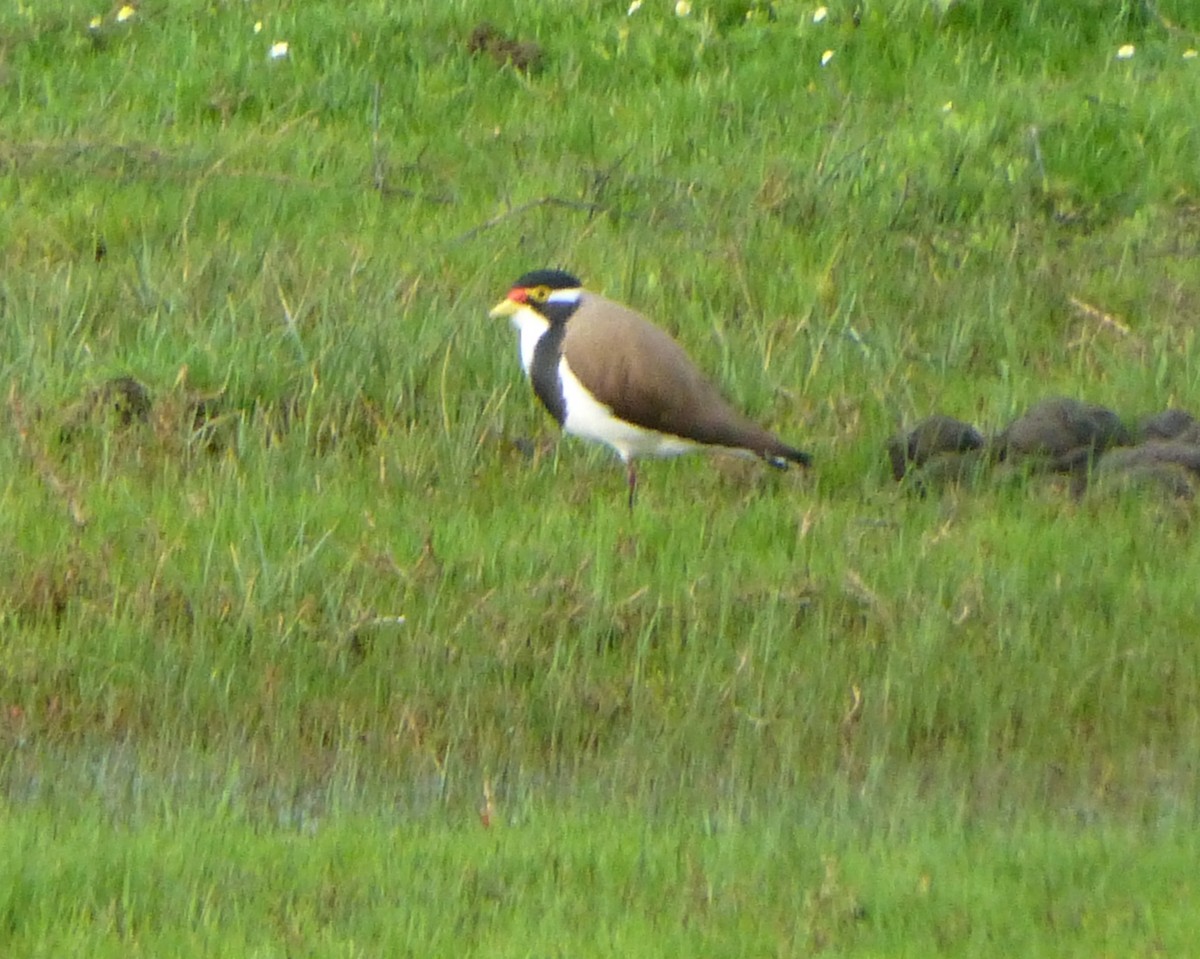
(648, 379)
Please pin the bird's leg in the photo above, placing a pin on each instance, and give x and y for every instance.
(631, 472)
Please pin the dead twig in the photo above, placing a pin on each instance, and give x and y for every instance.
(1169, 25)
(377, 160)
(1107, 320)
(525, 208)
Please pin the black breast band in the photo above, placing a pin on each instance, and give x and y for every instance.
(543, 371)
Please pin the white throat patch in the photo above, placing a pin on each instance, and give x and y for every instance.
(532, 326)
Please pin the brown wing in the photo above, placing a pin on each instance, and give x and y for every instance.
(646, 378)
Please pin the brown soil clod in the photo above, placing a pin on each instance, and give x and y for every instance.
(1061, 435)
(1172, 424)
(524, 55)
(118, 402)
(1169, 465)
(933, 437)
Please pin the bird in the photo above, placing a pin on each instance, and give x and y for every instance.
(608, 374)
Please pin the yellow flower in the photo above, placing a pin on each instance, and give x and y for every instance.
(95, 22)
(279, 50)
(258, 26)
(820, 14)
(633, 8)
(683, 8)
(1190, 54)
(1125, 51)
(826, 57)
(125, 13)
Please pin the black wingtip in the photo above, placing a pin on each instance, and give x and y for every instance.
(786, 454)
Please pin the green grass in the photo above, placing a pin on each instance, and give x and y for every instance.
(600, 883)
(261, 654)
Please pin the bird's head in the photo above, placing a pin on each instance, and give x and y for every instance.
(552, 294)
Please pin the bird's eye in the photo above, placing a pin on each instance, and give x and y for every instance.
(539, 294)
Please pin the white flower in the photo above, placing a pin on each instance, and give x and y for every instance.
(820, 14)
(633, 8)
(1125, 51)
(125, 13)
(279, 50)
(826, 57)
(683, 8)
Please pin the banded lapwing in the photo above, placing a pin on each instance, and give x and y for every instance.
(608, 374)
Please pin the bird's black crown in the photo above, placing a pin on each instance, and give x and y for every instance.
(554, 279)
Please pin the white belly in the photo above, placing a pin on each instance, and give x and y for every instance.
(588, 418)
(592, 420)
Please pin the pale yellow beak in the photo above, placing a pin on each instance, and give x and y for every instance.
(505, 307)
